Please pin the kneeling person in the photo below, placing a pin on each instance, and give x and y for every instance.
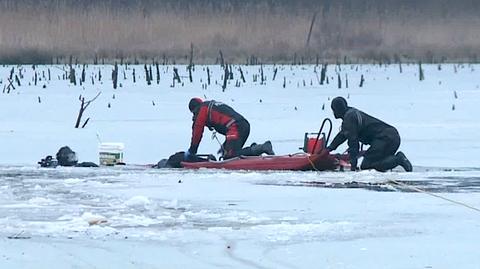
(383, 139)
(226, 121)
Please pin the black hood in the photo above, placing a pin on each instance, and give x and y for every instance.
(339, 107)
(194, 104)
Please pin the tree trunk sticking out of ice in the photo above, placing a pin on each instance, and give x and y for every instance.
(208, 76)
(225, 78)
(420, 71)
(323, 74)
(241, 74)
(72, 76)
(147, 75)
(262, 78)
(83, 107)
(230, 73)
(115, 76)
(362, 79)
(175, 77)
(150, 74)
(190, 64)
(158, 73)
(83, 74)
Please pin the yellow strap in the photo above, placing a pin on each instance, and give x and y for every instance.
(312, 164)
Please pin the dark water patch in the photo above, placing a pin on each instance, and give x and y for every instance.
(381, 187)
(443, 184)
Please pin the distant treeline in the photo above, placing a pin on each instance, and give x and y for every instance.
(245, 31)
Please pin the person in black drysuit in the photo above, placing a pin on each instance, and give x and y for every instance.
(383, 139)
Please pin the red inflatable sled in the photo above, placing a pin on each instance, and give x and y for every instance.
(314, 157)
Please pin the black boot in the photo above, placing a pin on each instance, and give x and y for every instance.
(404, 162)
(257, 149)
(267, 148)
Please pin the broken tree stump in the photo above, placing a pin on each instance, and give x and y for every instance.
(83, 106)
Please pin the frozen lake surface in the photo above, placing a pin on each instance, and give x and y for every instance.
(165, 218)
(133, 217)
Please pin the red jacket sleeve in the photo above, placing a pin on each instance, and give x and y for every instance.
(197, 128)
